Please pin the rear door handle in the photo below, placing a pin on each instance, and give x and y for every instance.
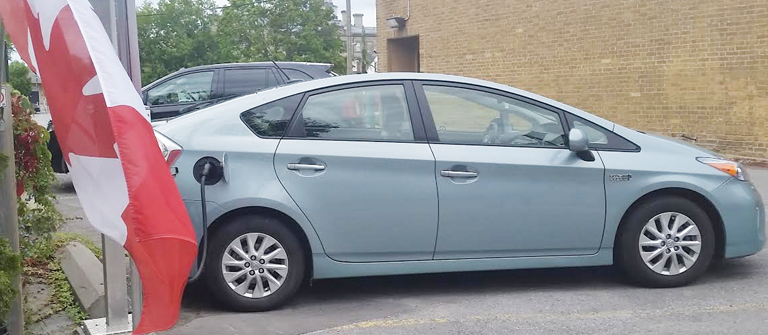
(458, 174)
(313, 167)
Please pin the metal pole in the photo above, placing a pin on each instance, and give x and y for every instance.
(350, 48)
(115, 281)
(9, 223)
(128, 51)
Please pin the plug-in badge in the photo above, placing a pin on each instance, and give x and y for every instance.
(619, 177)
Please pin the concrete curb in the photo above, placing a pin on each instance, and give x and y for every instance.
(85, 273)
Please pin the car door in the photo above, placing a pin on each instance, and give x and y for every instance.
(507, 184)
(166, 99)
(356, 162)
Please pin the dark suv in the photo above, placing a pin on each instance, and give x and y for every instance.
(195, 88)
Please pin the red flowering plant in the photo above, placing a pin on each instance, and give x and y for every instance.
(38, 217)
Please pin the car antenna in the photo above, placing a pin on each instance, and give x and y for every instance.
(285, 74)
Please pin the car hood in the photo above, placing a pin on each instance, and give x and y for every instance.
(689, 145)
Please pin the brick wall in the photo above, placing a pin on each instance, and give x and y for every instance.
(693, 68)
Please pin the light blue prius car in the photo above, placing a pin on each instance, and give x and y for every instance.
(403, 173)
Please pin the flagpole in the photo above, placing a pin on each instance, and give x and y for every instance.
(9, 224)
(115, 282)
(128, 52)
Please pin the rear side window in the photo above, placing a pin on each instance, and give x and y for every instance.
(247, 81)
(270, 120)
(374, 113)
(296, 74)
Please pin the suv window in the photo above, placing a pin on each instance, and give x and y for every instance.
(376, 113)
(296, 74)
(247, 81)
(467, 116)
(271, 119)
(193, 87)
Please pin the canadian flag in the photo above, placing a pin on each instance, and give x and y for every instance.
(118, 171)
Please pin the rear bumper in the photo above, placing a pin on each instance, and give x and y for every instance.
(743, 213)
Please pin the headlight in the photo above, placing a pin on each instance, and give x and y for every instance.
(732, 168)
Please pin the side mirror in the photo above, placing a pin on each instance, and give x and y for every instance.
(579, 143)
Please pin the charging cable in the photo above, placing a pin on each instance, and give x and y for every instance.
(204, 239)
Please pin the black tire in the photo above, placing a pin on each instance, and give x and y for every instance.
(627, 253)
(237, 227)
(58, 163)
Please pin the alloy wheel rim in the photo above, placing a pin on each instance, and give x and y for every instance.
(670, 243)
(254, 265)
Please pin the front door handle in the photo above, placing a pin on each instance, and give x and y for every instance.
(313, 167)
(458, 174)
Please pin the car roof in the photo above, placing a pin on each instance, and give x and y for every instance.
(240, 104)
(233, 65)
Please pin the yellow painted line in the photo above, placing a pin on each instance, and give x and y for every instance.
(393, 323)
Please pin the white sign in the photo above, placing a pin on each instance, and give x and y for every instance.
(3, 95)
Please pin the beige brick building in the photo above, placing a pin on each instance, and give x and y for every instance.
(695, 69)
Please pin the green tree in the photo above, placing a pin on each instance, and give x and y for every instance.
(279, 30)
(19, 77)
(176, 34)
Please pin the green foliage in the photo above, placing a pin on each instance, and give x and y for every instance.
(38, 217)
(19, 77)
(185, 33)
(280, 30)
(176, 34)
(10, 267)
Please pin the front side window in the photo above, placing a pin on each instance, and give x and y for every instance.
(189, 88)
(247, 81)
(599, 137)
(271, 119)
(467, 116)
(377, 113)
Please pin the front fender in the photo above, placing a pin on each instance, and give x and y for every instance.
(621, 193)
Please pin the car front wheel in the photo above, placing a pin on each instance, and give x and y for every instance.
(666, 242)
(255, 263)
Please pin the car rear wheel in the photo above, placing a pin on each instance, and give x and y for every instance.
(665, 242)
(255, 263)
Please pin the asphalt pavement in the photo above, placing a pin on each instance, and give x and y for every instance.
(732, 298)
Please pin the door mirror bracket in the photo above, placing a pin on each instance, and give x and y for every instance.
(579, 144)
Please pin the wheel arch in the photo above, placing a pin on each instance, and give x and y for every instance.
(697, 198)
(292, 224)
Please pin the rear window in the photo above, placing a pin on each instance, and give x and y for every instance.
(271, 119)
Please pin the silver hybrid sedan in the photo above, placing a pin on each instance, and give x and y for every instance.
(403, 173)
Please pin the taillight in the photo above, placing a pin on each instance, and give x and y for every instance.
(171, 151)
